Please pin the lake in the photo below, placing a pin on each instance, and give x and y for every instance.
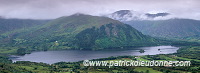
(78, 55)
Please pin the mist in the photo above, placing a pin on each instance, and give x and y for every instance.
(51, 9)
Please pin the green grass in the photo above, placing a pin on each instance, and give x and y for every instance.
(8, 51)
(144, 69)
(187, 59)
(165, 57)
(141, 59)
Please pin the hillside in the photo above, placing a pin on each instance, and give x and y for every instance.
(172, 28)
(11, 27)
(81, 31)
(7, 25)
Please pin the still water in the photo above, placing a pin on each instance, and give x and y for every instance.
(78, 55)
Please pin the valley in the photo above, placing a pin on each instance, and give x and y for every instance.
(95, 33)
(99, 36)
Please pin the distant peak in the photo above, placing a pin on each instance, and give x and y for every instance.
(165, 13)
(128, 15)
(157, 14)
(122, 12)
(78, 14)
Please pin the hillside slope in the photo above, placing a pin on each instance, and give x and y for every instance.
(7, 25)
(12, 27)
(172, 28)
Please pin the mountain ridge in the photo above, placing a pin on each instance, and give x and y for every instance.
(80, 31)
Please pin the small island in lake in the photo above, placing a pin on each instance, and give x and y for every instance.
(141, 51)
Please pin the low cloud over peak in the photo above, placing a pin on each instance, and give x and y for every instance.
(50, 9)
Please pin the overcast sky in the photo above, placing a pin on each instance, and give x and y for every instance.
(50, 9)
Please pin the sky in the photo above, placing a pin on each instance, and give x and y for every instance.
(51, 9)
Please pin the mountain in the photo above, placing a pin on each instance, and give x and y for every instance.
(125, 15)
(128, 15)
(159, 25)
(171, 28)
(80, 31)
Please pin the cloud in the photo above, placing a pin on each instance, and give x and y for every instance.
(50, 9)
